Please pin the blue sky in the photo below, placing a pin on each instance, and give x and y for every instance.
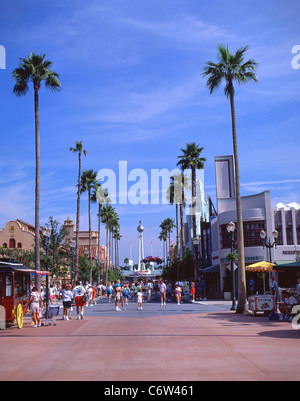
(133, 90)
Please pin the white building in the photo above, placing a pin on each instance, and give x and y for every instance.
(258, 215)
(201, 212)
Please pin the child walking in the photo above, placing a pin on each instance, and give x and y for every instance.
(140, 299)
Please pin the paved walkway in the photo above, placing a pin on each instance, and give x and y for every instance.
(188, 347)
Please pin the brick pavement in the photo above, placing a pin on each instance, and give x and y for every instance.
(190, 347)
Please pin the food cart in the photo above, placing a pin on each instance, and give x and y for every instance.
(261, 303)
(15, 291)
(264, 302)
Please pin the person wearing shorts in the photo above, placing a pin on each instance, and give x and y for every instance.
(78, 292)
(35, 300)
(193, 291)
(109, 291)
(67, 297)
(118, 295)
(162, 290)
(126, 294)
(178, 291)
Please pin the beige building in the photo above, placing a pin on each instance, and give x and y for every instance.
(84, 240)
(17, 234)
(20, 235)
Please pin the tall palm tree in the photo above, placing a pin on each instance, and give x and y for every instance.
(114, 227)
(101, 196)
(190, 159)
(163, 237)
(106, 216)
(167, 226)
(35, 69)
(174, 196)
(88, 182)
(232, 68)
(78, 149)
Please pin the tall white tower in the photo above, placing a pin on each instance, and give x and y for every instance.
(140, 229)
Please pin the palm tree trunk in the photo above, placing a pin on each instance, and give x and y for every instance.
(99, 262)
(90, 237)
(37, 185)
(167, 255)
(177, 233)
(107, 255)
(194, 223)
(182, 226)
(242, 291)
(78, 220)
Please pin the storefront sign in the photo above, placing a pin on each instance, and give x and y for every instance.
(247, 259)
(290, 252)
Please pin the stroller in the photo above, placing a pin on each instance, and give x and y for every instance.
(51, 314)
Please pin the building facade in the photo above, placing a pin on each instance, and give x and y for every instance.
(84, 241)
(258, 215)
(18, 234)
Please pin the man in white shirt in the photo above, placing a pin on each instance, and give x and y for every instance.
(78, 293)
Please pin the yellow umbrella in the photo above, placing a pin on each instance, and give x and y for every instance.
(261, 267)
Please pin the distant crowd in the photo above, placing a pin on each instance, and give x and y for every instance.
(120, 293)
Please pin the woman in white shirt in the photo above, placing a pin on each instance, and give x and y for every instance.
(67, 297)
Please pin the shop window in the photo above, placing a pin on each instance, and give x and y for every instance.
(251, 235)
(8, 285)
(20, 285)
(289, 236)
(298, 235)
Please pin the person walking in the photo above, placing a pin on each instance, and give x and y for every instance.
(192, 291)
(109, 290)
(118, 290)
(135, 291)
(178, 291)
(162, 291)
(80, 299)
(126, 294)
(35, 301)
(52, 292)
(67, 297)
(140, 299)
(274, 289)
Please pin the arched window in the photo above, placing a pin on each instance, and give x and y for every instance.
(12, 243)
(5, 245)
(19, 245)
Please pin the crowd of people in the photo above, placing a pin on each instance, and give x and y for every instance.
(139, 292)
(145, 290)
(120, 293)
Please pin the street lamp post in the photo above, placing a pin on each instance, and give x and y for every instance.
(269, 245)
(72, 246)
(230, 230)
(196, 242)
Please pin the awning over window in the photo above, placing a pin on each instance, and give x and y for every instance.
(210, 269)
(286, 265)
